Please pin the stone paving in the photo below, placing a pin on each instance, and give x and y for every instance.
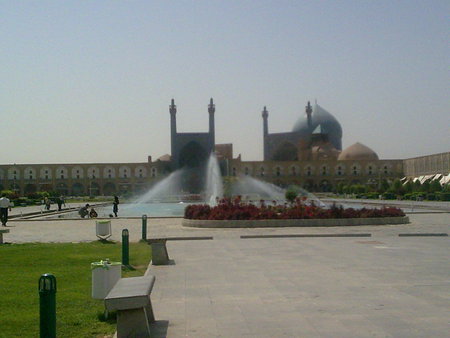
(378, 286)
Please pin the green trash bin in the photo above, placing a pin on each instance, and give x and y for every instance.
(105, 275)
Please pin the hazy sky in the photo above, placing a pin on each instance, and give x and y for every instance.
(91, 81)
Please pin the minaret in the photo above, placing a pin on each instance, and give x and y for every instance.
(211, 111)
(173, 127)
(308, 114)
(265, 115)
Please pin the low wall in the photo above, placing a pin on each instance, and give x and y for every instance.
(280, 223)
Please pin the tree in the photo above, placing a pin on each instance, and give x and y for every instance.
(397, 187)
(340, 188)
(425, 186)
(384, 185)
(290, 195)
(408, 187)
(435, 186)
(417, 186)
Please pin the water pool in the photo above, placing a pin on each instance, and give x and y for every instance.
(177, 209)
(135, 210)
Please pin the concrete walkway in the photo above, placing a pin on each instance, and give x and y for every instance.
(383, 286)
(379, 286)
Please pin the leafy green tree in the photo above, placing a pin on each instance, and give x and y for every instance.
(435, 186)
(340, 188)
(12, 195)
(426, 186)
(290, 195)
(417, 186)
(358, 189)
(408, 187)
(384, 185)
(397, 187)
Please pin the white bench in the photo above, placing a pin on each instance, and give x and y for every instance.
(3, 231)
(130, 297)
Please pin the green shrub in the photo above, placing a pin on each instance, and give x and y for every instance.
(372, 195)
(443, 196)
(10, 194)
(290, 196)
(22, 201)
(389, 196)
(431, 197)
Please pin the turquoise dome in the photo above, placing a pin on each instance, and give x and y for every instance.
(322, 122)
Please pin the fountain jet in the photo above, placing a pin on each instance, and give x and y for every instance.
(214, 186)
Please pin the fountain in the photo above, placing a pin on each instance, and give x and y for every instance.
(253, 189)
(170, 189)
(214, 185)
(166, 189)
(310, 197)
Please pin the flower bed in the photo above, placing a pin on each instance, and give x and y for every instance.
(235, 209)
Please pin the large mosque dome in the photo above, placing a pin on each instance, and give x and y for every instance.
(358, 151)
(320, 121)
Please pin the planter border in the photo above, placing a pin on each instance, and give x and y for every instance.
(280, 223)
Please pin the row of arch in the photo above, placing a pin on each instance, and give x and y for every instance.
(354, 169)
(77, 172)
(324, 185)
(77, 189)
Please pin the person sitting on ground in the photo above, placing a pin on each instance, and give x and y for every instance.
(93, 213)
(83, 212)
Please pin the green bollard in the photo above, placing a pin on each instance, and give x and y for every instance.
(144, 227)
(47, 305)
(125, 248)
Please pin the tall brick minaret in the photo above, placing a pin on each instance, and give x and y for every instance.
(173, 127)
(211, 111)
(265, 115)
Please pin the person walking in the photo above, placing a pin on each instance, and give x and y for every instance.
(116, 205)
(60, 202)
(47, 203)
(5, 205)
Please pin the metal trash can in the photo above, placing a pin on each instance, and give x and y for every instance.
(105, 275)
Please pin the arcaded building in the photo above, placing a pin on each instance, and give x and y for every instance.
(309, 155)
(82, 179)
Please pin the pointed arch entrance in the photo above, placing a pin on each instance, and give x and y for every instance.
(192, 160)
(286, 152)
(192, 155)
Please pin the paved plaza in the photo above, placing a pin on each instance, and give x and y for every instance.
(384, 285)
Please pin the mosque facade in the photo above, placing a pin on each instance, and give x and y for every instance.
(310, 156)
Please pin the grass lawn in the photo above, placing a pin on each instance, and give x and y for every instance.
(77, 314)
